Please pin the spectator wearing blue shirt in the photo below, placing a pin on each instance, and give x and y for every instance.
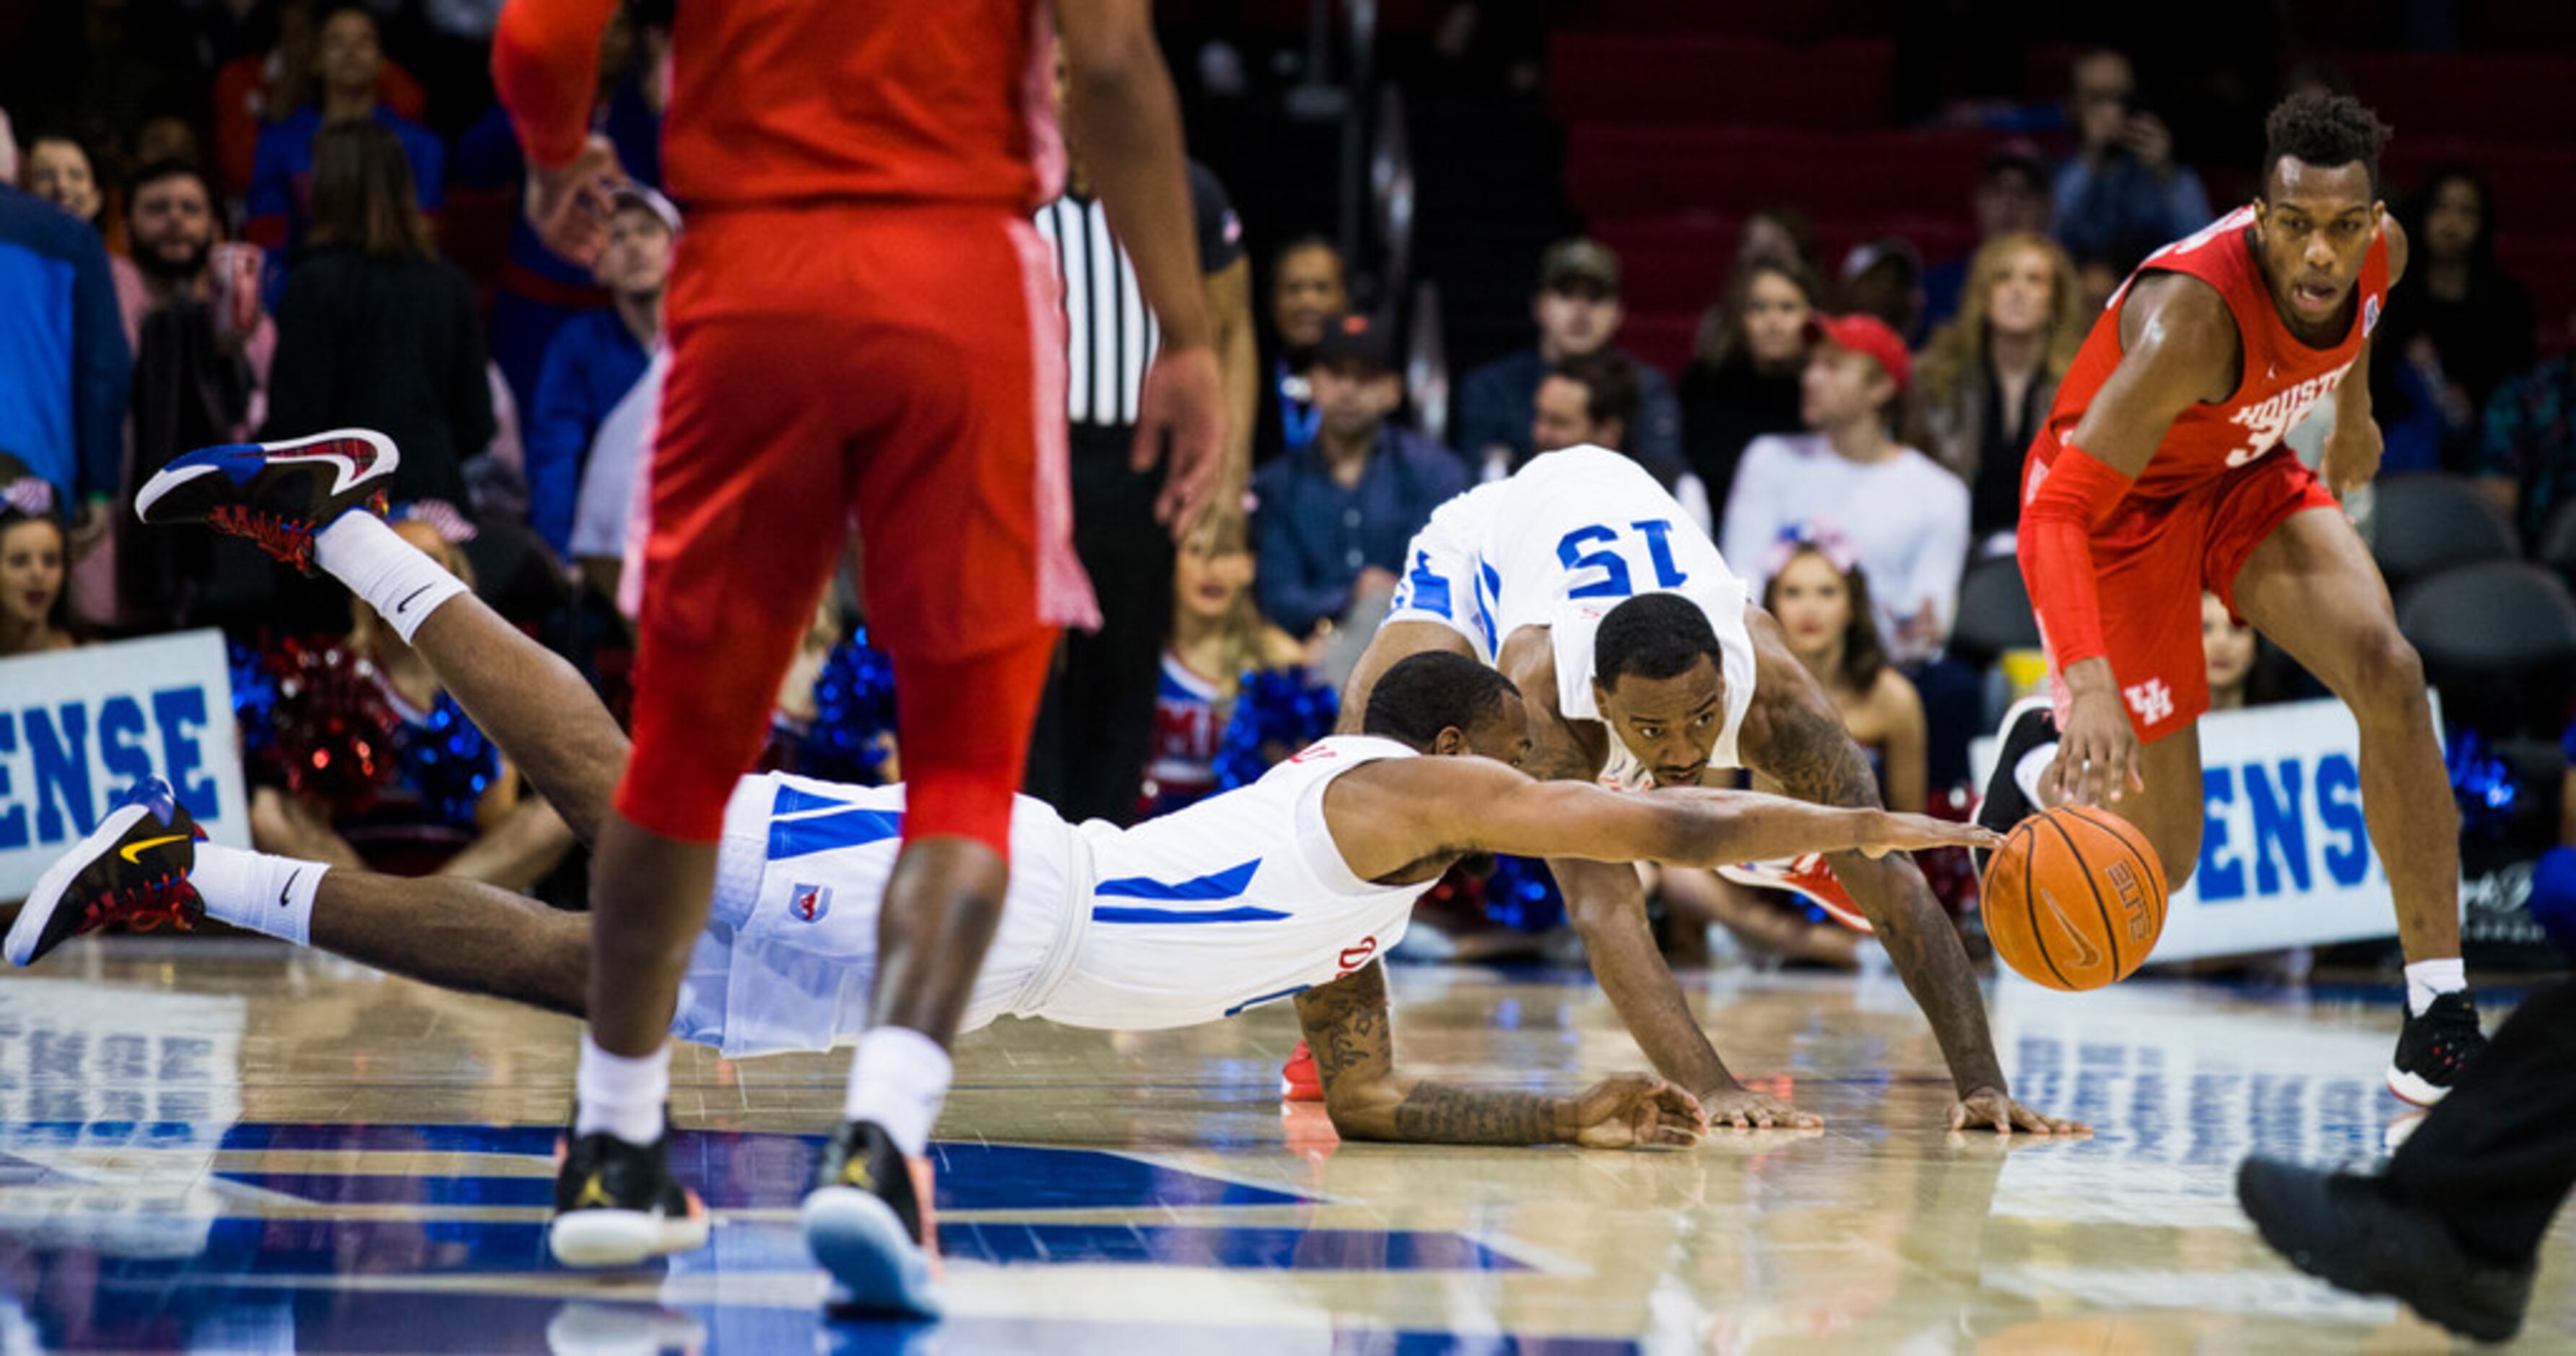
(348, 58)
(2122, 195)
(1331, 520)
(596, 358)
(64, 364)
(1578, 313)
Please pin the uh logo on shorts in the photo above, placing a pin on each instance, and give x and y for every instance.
(809, 903)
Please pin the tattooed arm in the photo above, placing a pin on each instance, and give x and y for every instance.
(1794, 736)
(1347, 1027)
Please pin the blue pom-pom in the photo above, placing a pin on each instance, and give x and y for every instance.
(2483, 785)
(854, 715)
(1522, 895)
(1276, 713)
(447, 761)
(2553, 897)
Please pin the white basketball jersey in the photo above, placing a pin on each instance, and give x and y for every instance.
(1238, 900)
(1560, 543)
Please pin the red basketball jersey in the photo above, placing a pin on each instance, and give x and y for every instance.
(2283, 378)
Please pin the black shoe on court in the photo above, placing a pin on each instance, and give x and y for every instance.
(132, 869)
(2344, 1230)
(617, 1204)
(2030, 724)
(278, 495)
(868, 1222)
(2434, 1049)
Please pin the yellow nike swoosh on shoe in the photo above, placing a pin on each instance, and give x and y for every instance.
(129, 851)
(592, 1193)
(855, 1173)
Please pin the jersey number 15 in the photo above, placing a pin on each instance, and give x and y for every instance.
(1605, 557)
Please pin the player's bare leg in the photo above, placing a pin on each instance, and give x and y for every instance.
(2312, 588)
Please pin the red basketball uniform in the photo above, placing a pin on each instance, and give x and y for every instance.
(2219, 483)
(862, 321)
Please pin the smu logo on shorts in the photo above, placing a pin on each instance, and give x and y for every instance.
(810, 903)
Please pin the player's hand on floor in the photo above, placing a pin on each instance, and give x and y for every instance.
(1990, 1109)
(2097, 754)
(1628, 1111)
(1184, 401)
(1921, 833)
(1742, 1108)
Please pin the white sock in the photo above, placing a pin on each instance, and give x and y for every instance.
(391, 574)
(898, 1079)
(2027, 772)
(2430, 979)
(254, 890)
(620, 1095)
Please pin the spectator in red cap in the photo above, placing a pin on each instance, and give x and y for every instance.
(1905, 515)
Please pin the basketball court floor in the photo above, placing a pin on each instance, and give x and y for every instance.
(228, 1146)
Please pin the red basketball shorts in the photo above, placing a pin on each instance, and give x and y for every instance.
(903, 364)
(2152, 562)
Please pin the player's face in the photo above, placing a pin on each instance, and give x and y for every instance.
(1671, 724)
(1563, 418)
(1577, 318)
(1306, 295)
(31, 571)
(1502, 736)
(1811, 602)
(1775, 321)
(2228, 647)
(2017, 301)
(2314, 229)
(171, 224)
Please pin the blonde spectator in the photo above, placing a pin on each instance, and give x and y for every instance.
(1986, 379)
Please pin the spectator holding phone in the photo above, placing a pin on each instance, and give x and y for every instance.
(2122, 190)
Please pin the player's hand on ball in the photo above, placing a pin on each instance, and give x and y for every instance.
(1184, 400)
(1634, 1110)
(1992, 1109)
(2097, 753)
(570, 204)
(1744, 1109)
(1921, 833)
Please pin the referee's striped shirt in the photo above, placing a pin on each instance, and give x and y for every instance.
(1110, 336)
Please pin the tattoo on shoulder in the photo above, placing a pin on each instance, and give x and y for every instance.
(1812, 757)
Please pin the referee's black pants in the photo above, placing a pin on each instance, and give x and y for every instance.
(1096, 724)
(2496, 1158)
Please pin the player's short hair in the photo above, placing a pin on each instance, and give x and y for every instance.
(2323, 129)
(1654, 636)
(1420, 695)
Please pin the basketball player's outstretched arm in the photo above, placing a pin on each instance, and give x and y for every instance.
(1794, 736)
(1347, 1027)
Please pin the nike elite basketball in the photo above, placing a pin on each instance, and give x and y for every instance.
(2075, 898)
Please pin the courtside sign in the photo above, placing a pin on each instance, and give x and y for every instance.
(80, 727)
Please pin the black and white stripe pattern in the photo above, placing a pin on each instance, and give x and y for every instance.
(1109, 335)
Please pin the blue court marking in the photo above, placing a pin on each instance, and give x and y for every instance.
(737, 1170)
(1224, 884)
(847, 828)
(1241, 913)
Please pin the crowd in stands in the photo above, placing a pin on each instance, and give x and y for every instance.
(277, 226)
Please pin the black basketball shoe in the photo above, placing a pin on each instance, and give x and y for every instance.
(867, 1223)
(2344, 1230)
(2030, 724)
(133, 869)
(276, 494)
(2433, 1050)
(617, 1204)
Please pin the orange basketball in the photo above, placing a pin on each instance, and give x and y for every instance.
(2075, 898)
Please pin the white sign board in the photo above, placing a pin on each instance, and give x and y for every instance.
(2284, 857)
(79, 728)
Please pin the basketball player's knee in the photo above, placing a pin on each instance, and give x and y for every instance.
(2387, 675)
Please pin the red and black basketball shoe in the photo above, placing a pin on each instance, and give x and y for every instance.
(278, 495)
(133, 869)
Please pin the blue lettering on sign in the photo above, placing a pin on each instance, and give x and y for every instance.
(2279, 828)
(2339, 807)
(13, 823)
(2221, 876)
(120, 744)
(62, 770)
(182, 713)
